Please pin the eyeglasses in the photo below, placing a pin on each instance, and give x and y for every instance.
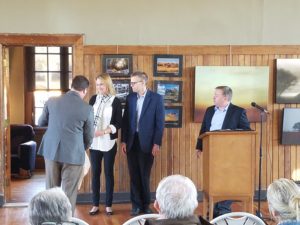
(134, 83)
(60, 223)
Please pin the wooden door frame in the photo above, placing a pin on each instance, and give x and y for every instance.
(6, 39)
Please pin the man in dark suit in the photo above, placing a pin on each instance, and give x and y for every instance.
(70, 132)
(221, 116)
(142, 131)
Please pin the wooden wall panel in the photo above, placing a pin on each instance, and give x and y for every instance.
(178, 147)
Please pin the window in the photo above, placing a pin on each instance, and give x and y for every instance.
(51, 75)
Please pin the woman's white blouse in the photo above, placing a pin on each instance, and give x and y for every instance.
(103, 143)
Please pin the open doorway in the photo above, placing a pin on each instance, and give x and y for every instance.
(17, 43)
(36, 73)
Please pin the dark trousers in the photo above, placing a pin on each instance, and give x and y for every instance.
(139, 164)
(222, 207)
(109, 160)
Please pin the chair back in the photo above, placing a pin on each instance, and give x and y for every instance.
(237, 218)
(79, 221)
(140, 220)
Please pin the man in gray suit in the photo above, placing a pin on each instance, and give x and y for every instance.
(70, 132)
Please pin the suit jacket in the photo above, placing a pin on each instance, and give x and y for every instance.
(116, 117)
(70, 129)
(151, 122)
(235, 118)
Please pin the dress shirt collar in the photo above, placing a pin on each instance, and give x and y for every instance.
(224, 110)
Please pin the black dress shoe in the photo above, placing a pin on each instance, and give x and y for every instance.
(147, 211)
(135, 212)
(92, 213)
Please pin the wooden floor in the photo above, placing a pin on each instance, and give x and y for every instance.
(23, 190)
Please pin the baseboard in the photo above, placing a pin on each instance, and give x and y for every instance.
(124, 197)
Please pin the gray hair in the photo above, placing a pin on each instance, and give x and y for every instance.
(284, 199)
(227, 92)
(141, 75)
(176, 196)
(51, 205)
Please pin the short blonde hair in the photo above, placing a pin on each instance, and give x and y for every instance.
(108, 83)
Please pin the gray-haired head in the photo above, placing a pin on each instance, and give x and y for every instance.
(227, 92)
(51, 205)
(176, 196)
(284, 200)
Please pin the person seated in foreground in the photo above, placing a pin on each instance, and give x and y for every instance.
(51, 205)
(176, 201)
(283, 197)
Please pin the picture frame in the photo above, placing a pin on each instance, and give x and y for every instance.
(167, 65)
(117, 65)
(123, 88)
(170, 90)
(173, 116)
(287, 81)
(290, 134)
(248, 84)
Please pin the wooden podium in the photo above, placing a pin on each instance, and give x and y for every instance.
(228, 168)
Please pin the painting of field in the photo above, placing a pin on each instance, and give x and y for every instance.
(167, 65)
(173, 116)
(248, 84)
(170, 90)
(291, 126)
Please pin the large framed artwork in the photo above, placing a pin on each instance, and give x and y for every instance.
(290, 134)
(117, 65)
(248, 84)
(167, 65)
(170, 90)
(122, 87)
(173, 116)
(287, 81)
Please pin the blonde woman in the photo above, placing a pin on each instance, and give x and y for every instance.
(284, 201)
(107, 121)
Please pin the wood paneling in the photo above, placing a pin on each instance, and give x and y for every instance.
(178, 148)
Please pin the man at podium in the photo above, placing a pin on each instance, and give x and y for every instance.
(223, 115)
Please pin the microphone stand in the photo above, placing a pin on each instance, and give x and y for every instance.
(258, 213)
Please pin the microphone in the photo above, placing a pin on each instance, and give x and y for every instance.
(259, 107)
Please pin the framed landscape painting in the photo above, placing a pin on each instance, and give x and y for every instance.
(167, 65)
(288, 81)
(290, 134)
(117, 65)
(173, 116)
(248, 84)
(170, 90)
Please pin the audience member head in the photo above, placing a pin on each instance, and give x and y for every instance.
(284, 200)
(176, 197)
(104, 85)
(51, 205)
